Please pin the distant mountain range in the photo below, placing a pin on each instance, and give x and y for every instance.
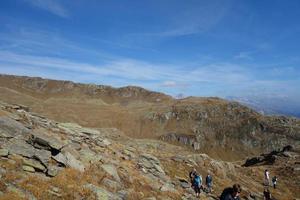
(269, 105)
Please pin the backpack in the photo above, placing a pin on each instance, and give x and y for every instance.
(225, 193)
(198, 180)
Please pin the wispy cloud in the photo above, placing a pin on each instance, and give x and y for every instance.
(133, 69)
(52, 6)
(243, 55)
(174, 84)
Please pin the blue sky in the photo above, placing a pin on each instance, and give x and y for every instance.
(193, 47)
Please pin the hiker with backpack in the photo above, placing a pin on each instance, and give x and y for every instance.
(274, 181)
(192, 175)
(231, 193)
(267, 178)
(208, 182)
(197, 184)
(267, 194)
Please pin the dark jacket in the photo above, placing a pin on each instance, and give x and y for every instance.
(227, 194)
(208, 180)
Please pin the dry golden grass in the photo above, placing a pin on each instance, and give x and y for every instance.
(69, 181)
(12, 176)
(11, 196)
(2, 113)
(36, 186)
(2, 186)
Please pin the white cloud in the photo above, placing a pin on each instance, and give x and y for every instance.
(243, 55)
(52, 6)
(134, 69)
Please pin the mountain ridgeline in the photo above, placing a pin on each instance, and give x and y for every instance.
(220, 128)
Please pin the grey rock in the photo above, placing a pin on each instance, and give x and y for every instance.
(20, 147)
(151, 164)
(60, 158)
(112, 171)
(3, 152)
(55, 191)
(43, 155)
(10, 128)
(88, 156)
(28, 168)
(75, 129)
(103, 142)
(46, 141)
(111, 185)
(168, 187)
(34, 163)
(52, 171)
(184, 183)
(72, 162)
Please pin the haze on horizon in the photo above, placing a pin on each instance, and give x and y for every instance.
(245, 50)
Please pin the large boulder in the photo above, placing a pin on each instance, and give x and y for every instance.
(151, 164)
(45, 141)
(67, 159)
(20, 147)
(10, 128)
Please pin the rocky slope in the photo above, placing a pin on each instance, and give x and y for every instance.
(209, 125)
(46, 159)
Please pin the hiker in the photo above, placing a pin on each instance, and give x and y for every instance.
(197, 184)
(208, 182)
(192, 176)
(231, 193)
(267, 178)
(274, 181)
(267, 194)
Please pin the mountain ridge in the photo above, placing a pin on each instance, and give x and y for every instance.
(204, 124)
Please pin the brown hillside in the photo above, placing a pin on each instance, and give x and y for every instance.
(212, 125)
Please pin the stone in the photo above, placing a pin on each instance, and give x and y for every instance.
(43, 155)
(20, 147)
(55, 191)
(11, 128)
(72, 162)
(28, 168)
(52, 171)
(60, 158)
(34, 163)
(110, 184)
(129, 154)
(184, 183)
(76, 129)
(88, 156)
(168, 187)
(46, 141)
(4, 152)
(112, 171)
(103, 142)
(149, 163)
